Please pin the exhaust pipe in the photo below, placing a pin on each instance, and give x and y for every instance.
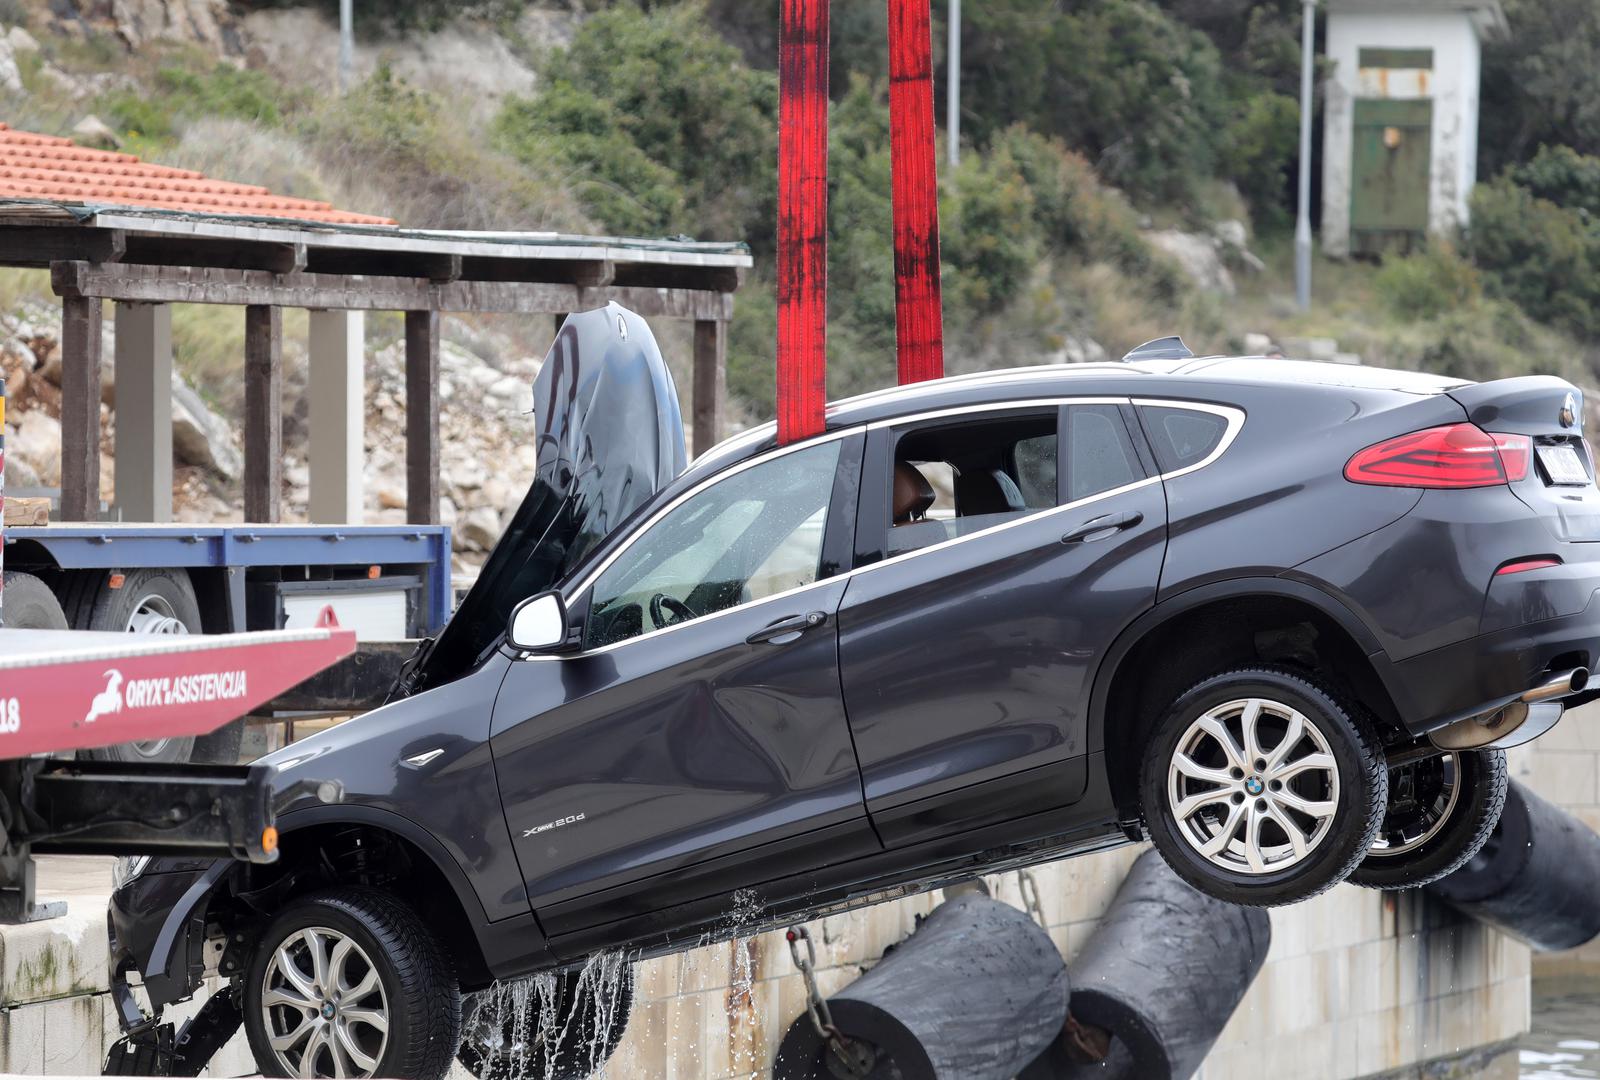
(1558, 685)
(1514, 720)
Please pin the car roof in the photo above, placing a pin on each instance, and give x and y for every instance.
(1203, 378)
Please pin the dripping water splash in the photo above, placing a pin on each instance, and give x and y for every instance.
(552, 1024)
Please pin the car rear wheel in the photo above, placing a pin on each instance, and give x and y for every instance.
(149, 601)
(1260, 786)
(1441, 811)
(562, 1026)
(350, 983)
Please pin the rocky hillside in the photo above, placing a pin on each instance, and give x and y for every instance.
(1124, 175)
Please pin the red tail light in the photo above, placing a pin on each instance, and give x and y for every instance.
(1516, 452)
(1453, 456)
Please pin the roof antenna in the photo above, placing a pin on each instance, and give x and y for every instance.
(1163, 348)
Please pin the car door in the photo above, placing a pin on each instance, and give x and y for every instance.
(969, 641)
(697, 741)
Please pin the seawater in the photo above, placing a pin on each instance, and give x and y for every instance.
(1565, 1041)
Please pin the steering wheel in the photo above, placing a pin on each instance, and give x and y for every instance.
(661, 604)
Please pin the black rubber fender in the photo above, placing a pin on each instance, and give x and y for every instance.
(975, 993)
(1537, 877)
(1161, 975)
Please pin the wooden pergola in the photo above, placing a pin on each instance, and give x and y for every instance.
(145, 260)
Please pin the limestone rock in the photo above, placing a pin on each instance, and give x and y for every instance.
(479, 528)
(1257, 344)
(37, 442)
(10, 75)
(92, 131)
(1197, 256)
(200, 437)
(21, 41)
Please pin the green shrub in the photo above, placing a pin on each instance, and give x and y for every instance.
(642, 97)
(407, 152)
(1137, 91)
(223, 91)
(1564, 177)
(1429, 283)
(1543, 257)
(1262, 146)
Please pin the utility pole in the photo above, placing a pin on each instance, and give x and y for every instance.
(347, 44)
(1302, 225)
(952, 76)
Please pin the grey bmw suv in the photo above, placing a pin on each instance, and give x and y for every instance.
(1279, 617)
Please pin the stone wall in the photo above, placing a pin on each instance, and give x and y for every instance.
(1356, 983)
(1564, 767)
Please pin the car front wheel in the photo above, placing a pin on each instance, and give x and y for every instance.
(1262, 787)
(1441, 812)
(350, 983)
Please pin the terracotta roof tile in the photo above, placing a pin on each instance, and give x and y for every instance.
(54, 169)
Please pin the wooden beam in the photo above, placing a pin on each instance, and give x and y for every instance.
(422, 417)
(710, 382)
(263, 414)
(190, 285)
(31, 511)
(80, 409)
(43, 245)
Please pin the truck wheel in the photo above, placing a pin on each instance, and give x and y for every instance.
(1441, 812)
(150, 601)
(350, 983)
(28, 604)
(1261, 787)
(557, 1027)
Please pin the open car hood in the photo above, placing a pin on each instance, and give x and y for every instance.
(610, 436)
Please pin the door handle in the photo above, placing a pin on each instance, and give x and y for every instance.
(1102, 527)
(791, 628)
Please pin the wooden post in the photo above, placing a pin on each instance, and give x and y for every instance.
(422, 417)
(144, 412)
(263, 413)
(710, 381)
(80, 409)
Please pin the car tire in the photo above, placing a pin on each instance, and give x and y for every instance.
(381, 959)
(1440, 814)
(149, 601)
(1249, 834)
(28, 604)
(564, 1026)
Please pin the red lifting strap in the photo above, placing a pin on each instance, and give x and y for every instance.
(919, 324)
(802, 217)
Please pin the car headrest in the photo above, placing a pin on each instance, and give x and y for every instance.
(912, 493)
(987, 491)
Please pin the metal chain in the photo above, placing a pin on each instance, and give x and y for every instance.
(1029, 887)
(850, 1059)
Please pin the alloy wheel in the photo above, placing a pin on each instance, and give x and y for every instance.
(1421, 799)
(325, 1010)
(1253, 786)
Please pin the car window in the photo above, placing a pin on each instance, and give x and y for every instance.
(1182, 437)
(955, 478)
(752, 535)
(1100, 454)
(1036, 470)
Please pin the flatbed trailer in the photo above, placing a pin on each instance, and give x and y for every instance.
(65, 691)
(390, 584)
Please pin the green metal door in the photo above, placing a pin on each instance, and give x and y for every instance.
(1389, 173)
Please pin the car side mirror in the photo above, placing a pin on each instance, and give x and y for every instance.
(539, 623)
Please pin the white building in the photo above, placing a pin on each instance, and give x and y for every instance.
(1400, 119)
